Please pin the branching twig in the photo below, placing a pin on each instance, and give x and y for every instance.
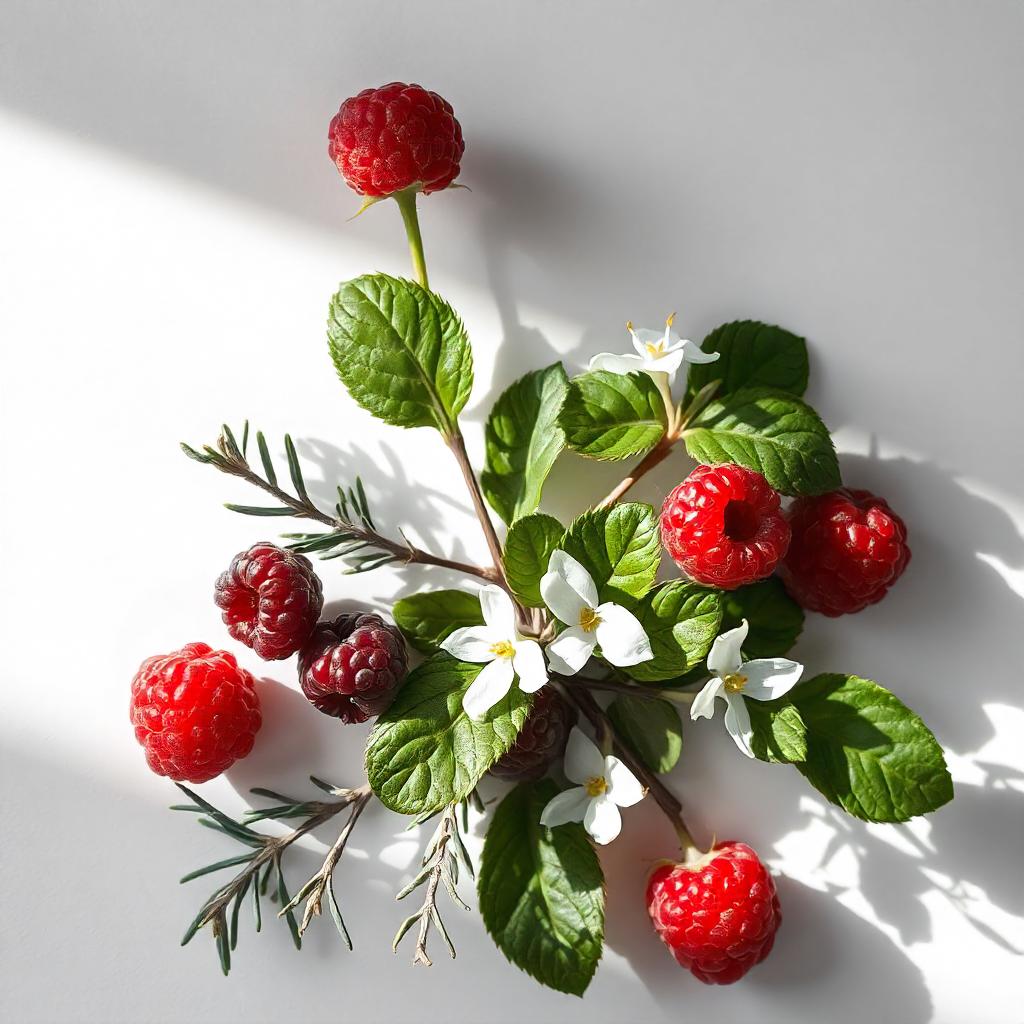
(440, 865)
(348, 533)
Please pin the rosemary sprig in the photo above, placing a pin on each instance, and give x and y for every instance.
(264, 859)
(352, 534)
(440, 865)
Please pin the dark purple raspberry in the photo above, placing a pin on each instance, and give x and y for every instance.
(351, 667)
(541, 739)
(270, 600)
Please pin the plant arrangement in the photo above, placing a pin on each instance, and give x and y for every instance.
(564, 668)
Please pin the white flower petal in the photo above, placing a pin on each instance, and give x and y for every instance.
(570, 805)
(622, 638)
(575, 575)
(498, 610)
(703, 705)
(768, 678)
(494, 681)
(693, 353)
(616, 364)
(471, 643)
(528, 661)
(668, 363)
(583, 761)
(737, 722)
(624, 788)
(644, 337)
(725, 657)
(570, 650)
(602, 820)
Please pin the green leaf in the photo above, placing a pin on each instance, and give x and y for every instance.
(771, 432)
(651, 727)
(426, 619)
(681, 620)
(619, 546)
(424, 752)
(541, 892)
(523, 440)
(775, 619)
(753, 354)
(401, 351)
(780, 735)
(613, 415)
(868, 752)
(528, 547)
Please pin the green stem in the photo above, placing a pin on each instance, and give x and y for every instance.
(407, 204)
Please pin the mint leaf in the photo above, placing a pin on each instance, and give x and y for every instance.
(426, 619)
(775, 619)
(425, 752)
(780, 735)
(753, 354)
(771, 432)
(681, 620)
(401, 351)
(620, 547)
(541, 892)
(867, 751)
(528, 547)
(651, 727)
(523, 441)
(613, 415)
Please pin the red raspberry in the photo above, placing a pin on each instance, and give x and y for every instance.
(723, 525)
(270, 600)
(541, 739)
(352, 667)
(195, 712)
(848, 549)
(719, 915)
(388, 139)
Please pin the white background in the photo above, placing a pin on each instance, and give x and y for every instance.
(171, 231)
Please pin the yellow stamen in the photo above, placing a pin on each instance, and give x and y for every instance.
(734, 682)
(589, 619)
(629, 326)
(669, 319)
(595, 786)
(655, 348)
(502, 649)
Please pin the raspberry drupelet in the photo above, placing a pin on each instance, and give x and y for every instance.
(718, 915)
(352, 667)
(541, 740)
(724, 526)
(195, 712)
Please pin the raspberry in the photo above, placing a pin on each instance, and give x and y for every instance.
(541, 739)
(270, 600)
(388, 139)
(195, 712)
(350, 668)
(724, 527)
(719, 915)
(848, 549)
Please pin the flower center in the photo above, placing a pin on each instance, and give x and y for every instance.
(655, 348)
(589, 619)
(734, 682)
(503, 649)
(596, 786)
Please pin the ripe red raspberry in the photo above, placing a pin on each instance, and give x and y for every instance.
(388, 139)
(724, 526)
(351, 668)
(195, 712)
(270, 600)
(719, 915)
(848, 549)
(541, 739)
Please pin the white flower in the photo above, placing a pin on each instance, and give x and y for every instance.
(505, 652)
(657, 352)
(570, 592)
(604, 784)
(734, 679)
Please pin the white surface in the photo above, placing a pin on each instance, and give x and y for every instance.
(171, 232)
